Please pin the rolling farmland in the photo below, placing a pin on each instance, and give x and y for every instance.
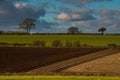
(59, 39)
(55, 61)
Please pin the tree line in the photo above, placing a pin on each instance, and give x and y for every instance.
(29, 24)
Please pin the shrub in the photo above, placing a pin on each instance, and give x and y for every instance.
(111, 45)
(39, 43)
(3, 44)
(18, 44)
(57, 43)
(68, 44)
(76, 44)
(86, 45)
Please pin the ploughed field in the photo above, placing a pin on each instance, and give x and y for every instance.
(22, 59)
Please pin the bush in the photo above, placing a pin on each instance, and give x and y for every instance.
(39, 43)
(3, 44)
(68, 44)
(111, 45)
(76, 44)
(17, 44)
(86, 45)
(57, 43)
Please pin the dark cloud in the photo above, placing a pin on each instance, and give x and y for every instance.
(12, 13)
(112, 25)
(17, 0)
(109, 14)
(64, 9)
(81, 2)
(90, 20)
(83, 15)
(44, 24)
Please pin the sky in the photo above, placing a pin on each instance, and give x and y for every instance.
(56, 16)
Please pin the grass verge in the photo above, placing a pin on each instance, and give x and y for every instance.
(58, 78)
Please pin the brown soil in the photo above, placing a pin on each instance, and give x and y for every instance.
(18, 59)
(108, 65)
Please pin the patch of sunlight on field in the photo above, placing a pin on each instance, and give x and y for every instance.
(58, 78)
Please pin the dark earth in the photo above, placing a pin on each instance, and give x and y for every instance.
(22, 59)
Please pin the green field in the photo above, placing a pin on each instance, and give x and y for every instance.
(57, 78)
(92, 40)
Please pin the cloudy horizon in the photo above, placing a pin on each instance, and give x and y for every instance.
(56, 16)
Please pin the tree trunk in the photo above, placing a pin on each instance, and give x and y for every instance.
(27, 30)
(102, 33)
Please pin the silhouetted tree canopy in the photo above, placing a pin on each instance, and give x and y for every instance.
(102, 30)
(73, 30)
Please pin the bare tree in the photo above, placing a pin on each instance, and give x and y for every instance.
(27, 24)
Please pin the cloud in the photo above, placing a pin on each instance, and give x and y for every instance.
(77, 15)
(109, 14)
(81, 2)
(112, 25)
(84, 19)
(12, 13)
(45, 24)
(88, 20)
(20, 5)
(61, 14)
(64, 9)
(64, 16)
